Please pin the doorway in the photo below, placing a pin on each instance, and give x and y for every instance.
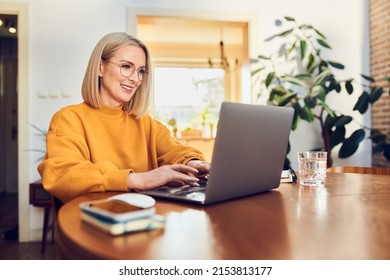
(20, 11)
(9, 117)
(8, 104)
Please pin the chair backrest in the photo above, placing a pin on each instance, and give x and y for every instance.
(359, 169)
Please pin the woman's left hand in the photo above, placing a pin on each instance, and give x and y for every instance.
(203, 167)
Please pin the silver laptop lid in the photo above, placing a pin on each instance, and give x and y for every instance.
(249, 150)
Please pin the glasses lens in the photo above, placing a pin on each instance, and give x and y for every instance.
(127, 70)
(141, 74)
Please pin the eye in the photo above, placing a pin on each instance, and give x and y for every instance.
(142, 71)
(127, 66)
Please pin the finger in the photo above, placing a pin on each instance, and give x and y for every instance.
(174, 184)
(183, 182)
(201, 166)
(186, 179)
(184, 168)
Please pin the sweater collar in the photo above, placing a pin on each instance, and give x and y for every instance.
(113, 112)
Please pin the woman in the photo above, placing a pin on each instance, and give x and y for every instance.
(108, 142)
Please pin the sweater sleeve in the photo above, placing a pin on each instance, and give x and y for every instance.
(170, 151)
(67, 170)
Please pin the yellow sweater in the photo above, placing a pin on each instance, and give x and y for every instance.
(93, 150)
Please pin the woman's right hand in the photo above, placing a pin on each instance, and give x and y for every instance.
(175, 174)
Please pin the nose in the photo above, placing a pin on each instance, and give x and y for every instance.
(134, 77)
(131, 78)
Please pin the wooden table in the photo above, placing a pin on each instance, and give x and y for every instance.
(347, 219)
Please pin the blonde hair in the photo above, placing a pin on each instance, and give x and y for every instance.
(139, 104)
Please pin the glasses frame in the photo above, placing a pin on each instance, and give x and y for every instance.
(120, 65)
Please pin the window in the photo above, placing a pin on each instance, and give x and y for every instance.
(189, 98)
(197, 65)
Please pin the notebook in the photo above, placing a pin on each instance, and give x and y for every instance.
(249, 152)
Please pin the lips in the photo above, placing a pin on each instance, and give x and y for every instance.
(127, 88)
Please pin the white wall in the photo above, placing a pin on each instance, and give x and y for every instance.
(64, 32)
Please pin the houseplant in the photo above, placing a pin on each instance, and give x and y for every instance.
(41, 133)
(297, 75)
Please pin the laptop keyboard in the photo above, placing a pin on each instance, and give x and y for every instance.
(182, 190)
(188, 190)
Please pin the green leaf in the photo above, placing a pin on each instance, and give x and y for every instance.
(323, 65)
(270, 38)
(295, 122)
(303, 47)
(310, 101)
(368, 78)
(336, 64)
(303, 76)
(285, 33)
(337, 87)
(289, 18)
(277, 91)
(319, 92)
(337, 136)
(254, 72)
(377, 136)
(322, 77)
(292, 47)
(330, 121)
(310, 62)
(285, 99)
(264, 57)
(343, 120)
(319, 33)
(305, 26)
(362, 103)
(323, 43)
(349, 86)
(313, 66)
(306, 114)
(375, 94)
(42, 131)
(294, 81)
(269, 78)
(351, 144)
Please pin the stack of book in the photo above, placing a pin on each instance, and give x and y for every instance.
(124, 213)
(288, 176)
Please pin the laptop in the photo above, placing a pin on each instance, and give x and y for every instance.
(249, 152)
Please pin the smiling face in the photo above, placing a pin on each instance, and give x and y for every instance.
(115, 89)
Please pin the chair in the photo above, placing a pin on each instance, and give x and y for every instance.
(359, 169)
(39, 197)
(56, 205)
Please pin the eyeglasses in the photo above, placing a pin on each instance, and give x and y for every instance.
(127, 69)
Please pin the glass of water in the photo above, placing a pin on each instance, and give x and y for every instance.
(312, 168)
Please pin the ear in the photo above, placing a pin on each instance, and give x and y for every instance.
(101, 69)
